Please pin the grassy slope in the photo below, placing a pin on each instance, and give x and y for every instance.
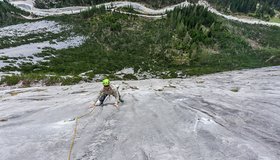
(117, 41)
(275, 19)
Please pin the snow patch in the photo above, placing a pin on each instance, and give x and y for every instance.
(24, 29)
(28, 50)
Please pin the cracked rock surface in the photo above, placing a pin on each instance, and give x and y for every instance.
(223, 116)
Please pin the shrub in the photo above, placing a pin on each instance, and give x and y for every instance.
(129, 77)
(10, 80)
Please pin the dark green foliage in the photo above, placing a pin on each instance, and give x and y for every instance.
(10, 80)
(28, 79)
(261, 8)
(70, 80)
(129, 77)
(194, 21)
(10, 14)
(181, 41)
(268, 37)
(6, 42)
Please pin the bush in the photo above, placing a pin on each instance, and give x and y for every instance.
(129, 77)
(70, 80)
(10, 80)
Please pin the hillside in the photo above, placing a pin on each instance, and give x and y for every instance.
(188, 41)
(263, 9)
(232, 115)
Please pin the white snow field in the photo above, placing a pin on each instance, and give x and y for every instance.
(28, 50)
(33, 48)
(223, 116)
(27, 28)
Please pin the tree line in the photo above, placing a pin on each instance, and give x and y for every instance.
(260, 7)
(193, 25)
(10, 14)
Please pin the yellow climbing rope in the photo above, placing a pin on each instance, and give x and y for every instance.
(75, 131)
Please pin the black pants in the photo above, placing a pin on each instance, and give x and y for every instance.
(103, 97)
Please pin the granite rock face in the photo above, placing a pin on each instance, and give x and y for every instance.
(230, 115)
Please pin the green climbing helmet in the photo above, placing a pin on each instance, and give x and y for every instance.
(106, 82)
